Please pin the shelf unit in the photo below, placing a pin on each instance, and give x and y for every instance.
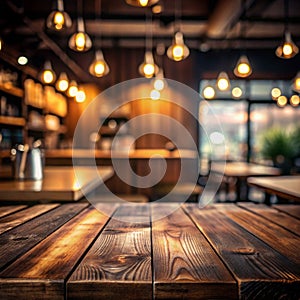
(24, 110)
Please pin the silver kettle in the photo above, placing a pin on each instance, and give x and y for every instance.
(28, 162)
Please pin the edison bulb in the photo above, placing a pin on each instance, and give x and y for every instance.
(243, 68)
(287, 49)
(148, 70)
(177, 52)
(276, 92)
(295, 100)
(58, 20)
(155, 95)
(237, 92)
(143, 2)
(223, 84)
(282, 101)
(80, 40)
(99, 68)
(209, 92)
(80, 96)
(72, 90)
(48, 76)
(63, 85)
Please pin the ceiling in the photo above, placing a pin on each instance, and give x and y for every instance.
(207, 25)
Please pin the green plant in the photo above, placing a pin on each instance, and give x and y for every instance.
(279, 146)
(296, 140)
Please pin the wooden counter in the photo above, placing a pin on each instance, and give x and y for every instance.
(224, 251)
(59, 183)
(139, 162)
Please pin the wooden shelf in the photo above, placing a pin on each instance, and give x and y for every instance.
(12, 121)
(15, 91)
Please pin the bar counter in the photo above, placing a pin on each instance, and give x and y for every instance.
(223, 251)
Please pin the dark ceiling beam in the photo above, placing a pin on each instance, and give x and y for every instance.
(60, 53)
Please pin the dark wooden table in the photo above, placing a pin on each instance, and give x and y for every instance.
(241, 171)
(224, 251)
(287, 187)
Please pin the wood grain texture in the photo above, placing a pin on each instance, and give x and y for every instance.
(255, 265)
(23, 216)
(6, 210)
(51, 261)
(186, 266)
(291, 209)
(274, 216)
(19, 240)
(118, 266)
(280, 239)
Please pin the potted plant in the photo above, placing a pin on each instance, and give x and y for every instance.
(279, 146)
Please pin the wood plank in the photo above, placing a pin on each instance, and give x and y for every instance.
(261, 272)
(19, 240)
(45, 267)
(6, 210)
(23, 216)
(274, 216)
(291, 209)
(186, 266)
(280, 239)
(118, 265)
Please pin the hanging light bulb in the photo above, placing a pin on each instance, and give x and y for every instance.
(282, 101)
(73, 89)
(62, 82)
(287, 49)
(159, 81)
(99, 67)
(178, 50)
(275, 93)
(80, 96)
(296, 83)
(223, 82)
(142, 3)
(59, 19)
(209, 92)
(1, 43)
(80, 41)
(294, 100)
(47, 75)
(236, 92)
(243, 68)
(148, 68)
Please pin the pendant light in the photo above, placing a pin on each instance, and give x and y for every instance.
(1, 43)
(223, 83)
(59, 19)
(141, 3)
(73, 89)
(80, 96)
(62, 83)
(47, 75)
(80, 41)
(148, 68)
(99, 67)
(243, 68)
(296, 83)
(178, 50)
(287, 49)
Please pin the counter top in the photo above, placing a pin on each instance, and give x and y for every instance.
(222, 251)
(59, 183)
(133, 154)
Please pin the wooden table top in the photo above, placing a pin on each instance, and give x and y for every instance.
(284, 186)
(244, 169)
(134, 154)
(224, 251)
(59, 183)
